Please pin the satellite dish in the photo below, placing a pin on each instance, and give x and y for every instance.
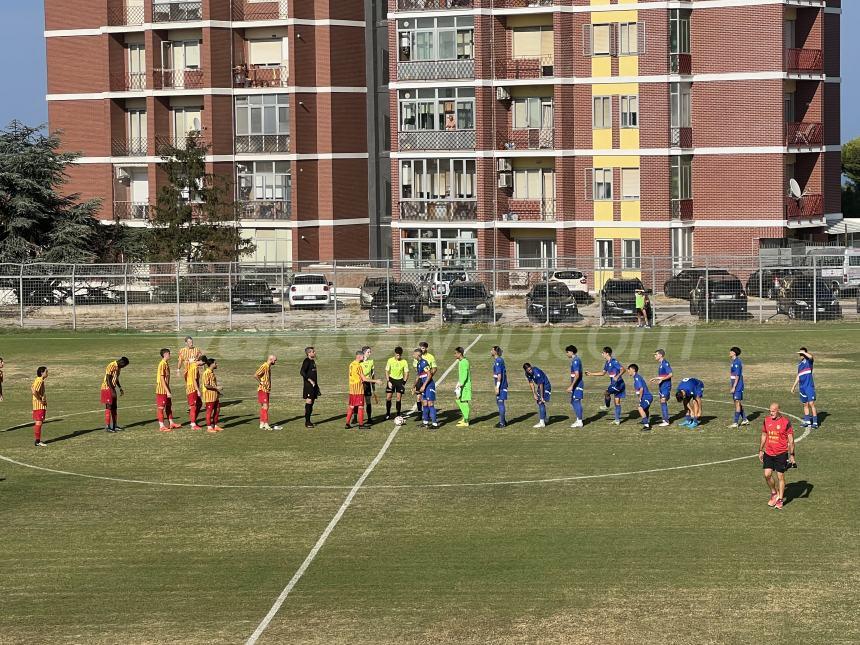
(197, 127)
(794, 189)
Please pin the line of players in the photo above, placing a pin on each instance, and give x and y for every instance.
(202, 388)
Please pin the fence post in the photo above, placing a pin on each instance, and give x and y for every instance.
(74, 299)
(176, 281)
(21, 295)
(653, 277)
(282, 289)
(814, 292)
(761, 293)
(230, 295)
(547, 293)
(387, 291)
(495, 290)
(125, 282)
(334, 280)
(707, 291)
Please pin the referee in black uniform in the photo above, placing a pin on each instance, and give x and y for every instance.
(310, 384)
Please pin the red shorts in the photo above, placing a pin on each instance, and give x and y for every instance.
(212, 405)
(162, 400)
(263, 397)
(356, 400)
(39, 415)
(108, 397)
(194, 400)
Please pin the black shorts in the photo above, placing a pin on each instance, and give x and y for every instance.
(368, 389)
(779, 463)
(395, 386)
(310, 391)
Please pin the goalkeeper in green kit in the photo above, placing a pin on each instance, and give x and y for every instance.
(463, 391)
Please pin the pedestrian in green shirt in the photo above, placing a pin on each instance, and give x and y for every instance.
(641, 315)
(463, 391)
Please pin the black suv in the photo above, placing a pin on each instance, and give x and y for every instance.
(719, 295)
(369, 289)
(252, 295)
(557, 306)
(396, 301)
(468, 302)
(618, 298)
(681, 284)
(800, 297)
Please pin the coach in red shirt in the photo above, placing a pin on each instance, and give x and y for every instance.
(776, 452)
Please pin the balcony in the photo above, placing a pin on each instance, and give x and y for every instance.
(805, 134)
(435, 70)
(513, 4)
(267, 210)
(177, 11)
(163, 145)
(432, 5)
(437, 139)
(526, 139)
(128, 147)
(258, 143)
(804, 60)
(138, 211)
(128, 82)
(439, 211)
(539, 67)
(530, 210)
(122, 14)
(682, 209)
(245, 10)
(681, 64)
(260, 76)
(680, 137)
(179, 79)
(810, 206)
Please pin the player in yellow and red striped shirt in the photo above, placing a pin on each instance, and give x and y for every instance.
(357, 379)
(40, 404)
(192, 390)
(264, 391)
(211, 396)
(163, 395)
(110, 384)
(187, 355)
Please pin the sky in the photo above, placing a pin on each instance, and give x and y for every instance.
(22, 45)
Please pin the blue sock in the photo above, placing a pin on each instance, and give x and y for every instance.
(815, 420)
(664, 409)
(807, 418)
(577, 408)
(425, 413)
(737, 416)
(743, 414)
(606, 401)
(501, 405)
(433, 414)
(618, 413)
(542, 411)
(688, 419)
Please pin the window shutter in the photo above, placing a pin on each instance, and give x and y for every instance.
(613, 39)
(589, 184)
(640, 28)
(587, 48)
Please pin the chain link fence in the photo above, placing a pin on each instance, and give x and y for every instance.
(581, 291)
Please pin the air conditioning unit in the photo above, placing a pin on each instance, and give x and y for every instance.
(510, 217)
(503, 94)
(505, 165)
(506, 180)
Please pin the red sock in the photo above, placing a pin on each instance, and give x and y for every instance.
(192, 415)
(161, 416)
(264, 415)
(37, 431)
(107, 417)
(113, 416)
(217, 412)
(361, 416)
(168, 408)
(209, 416)
(349, 415)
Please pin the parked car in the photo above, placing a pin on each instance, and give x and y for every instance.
(309, 290)
(771, 281)
(575, 280)
(681, 284)
(802, 299)
(399, 300)
(468, 302)
(436, 284)
(717, 296)
(559, 305)
(192, 289)
(252, 295)
(368, 290)
(618, 299)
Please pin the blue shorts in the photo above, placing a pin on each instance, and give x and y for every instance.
(502, 395)
(738, 395)
(578, 393)
(547, 395)
(429, 394)
(665, 389)
(807, 395)
(646, 402)
(617, 389)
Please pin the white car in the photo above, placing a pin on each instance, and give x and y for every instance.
(309, 290)
(575, 280)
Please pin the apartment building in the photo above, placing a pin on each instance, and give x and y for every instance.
(277, 89)
(613, 129)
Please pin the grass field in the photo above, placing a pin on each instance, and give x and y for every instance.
(435, 545)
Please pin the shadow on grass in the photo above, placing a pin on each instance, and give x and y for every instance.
(72, 435)
(797, 490)
(21, 426)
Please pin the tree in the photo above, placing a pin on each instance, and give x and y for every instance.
(851, 172)
(37, 222)
(193, 219)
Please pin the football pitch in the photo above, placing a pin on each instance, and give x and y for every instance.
(469, 535)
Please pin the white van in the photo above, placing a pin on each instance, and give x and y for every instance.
(838, 266)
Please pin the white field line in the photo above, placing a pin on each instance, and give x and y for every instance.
(332, 524)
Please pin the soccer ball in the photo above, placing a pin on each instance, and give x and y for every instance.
(399, 421)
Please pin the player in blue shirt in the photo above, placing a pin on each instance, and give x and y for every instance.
(576, 385)
(500, 383)
(690, 392)
(805, 386)
(615, 390)
(426, 387)
(664, 382)
(736, 379)
(644, 395)
(541, 390)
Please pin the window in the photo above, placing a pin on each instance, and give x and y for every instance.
(185, 120)
(435, 179)
(629, 37)
(535, 254)
(437, 109)
(262, 114)
(136, 58)
(445, 38)
(601, 115)
(181, 54)
(264, 180)
(456, 247)
(629, 111)
(679, 31)
(601, 39)
(534, 183)
(605, 254)
(532, 112)
(602, 184)
(788, 109)
(682, 247)
(137, 125)
(266, 53)
(631, 254)
(630, 183)
(533, 42)
(679, 105)
(681, 177)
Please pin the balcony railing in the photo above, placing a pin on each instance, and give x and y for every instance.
(681, 64)
(243, 10)
(131, 210)
(177, 11)
(680, 137)
(430, 5)
(506, 4)
(804, 60)
(526, 139)
(436, 139)
(266, 210)
(682, 209)
(124, 14)
(439, 211)
(530, 210)
(434, 70)
(163, 145)
(128, 147)
(253, 143)
(179, 79)
(128, 82)
(808, 206)
(804, 134)
(257, 76)
(525, 67)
